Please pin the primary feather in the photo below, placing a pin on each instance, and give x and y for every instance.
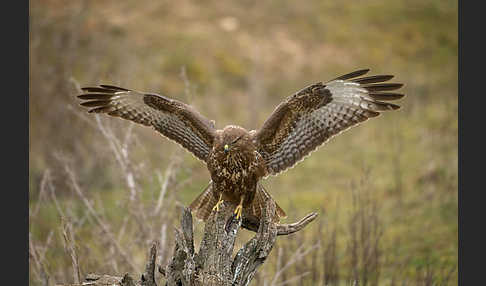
(313, 115)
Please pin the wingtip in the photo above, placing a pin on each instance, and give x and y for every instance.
(386, 96)
(113, 87)
(96, 89)
(353, 74)
(382, 87)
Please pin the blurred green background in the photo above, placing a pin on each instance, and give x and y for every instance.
(235, 61)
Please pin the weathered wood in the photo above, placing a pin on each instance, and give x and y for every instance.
(148, 277)
(213, 264)
(213, 261)
(282, 229)
(255, 251)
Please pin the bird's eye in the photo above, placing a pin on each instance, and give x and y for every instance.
(226, 148)
(236, 140)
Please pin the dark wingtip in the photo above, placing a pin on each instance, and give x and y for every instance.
(386, 95)
(104, 88)
(98, 95)
(372, 113)
(92, 103)
(362, 71)
(373, 79)
(383, 86)
(353, 74)
(113, 87)
(97, 89)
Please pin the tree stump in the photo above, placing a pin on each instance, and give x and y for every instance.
(213, 264)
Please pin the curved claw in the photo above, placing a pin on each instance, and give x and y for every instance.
(216, 206)
(238, 211)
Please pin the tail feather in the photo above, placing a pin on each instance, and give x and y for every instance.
(204, 203)
(258, 204)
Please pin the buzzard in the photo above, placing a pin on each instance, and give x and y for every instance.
(238, 159)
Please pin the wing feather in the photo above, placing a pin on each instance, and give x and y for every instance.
(310, 117)
(173, 119)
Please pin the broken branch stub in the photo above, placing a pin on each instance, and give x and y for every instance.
(213, 264)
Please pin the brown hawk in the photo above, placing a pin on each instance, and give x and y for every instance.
(238, 159)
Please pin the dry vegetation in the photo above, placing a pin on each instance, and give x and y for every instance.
(102, 189)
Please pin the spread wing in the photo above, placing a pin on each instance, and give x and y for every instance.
(173, 119)
(310, 117)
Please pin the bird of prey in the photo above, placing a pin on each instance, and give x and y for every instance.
(238, 159)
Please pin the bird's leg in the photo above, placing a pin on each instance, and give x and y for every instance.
(220, 201)
(239, 208)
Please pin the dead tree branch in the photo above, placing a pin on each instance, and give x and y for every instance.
(214, 263)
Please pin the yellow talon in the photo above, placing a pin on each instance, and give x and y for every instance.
(238, 211)
(220, 201)
(239, 208)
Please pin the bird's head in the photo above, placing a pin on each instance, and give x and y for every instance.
(232, 139)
